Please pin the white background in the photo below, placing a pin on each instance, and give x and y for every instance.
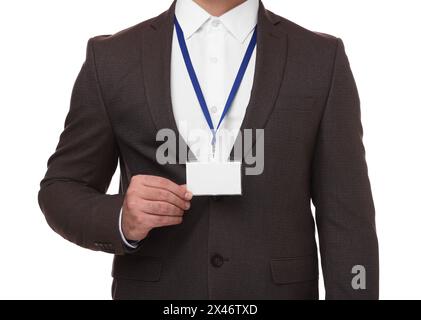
(42, 49)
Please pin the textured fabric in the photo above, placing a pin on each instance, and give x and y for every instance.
(257, 246)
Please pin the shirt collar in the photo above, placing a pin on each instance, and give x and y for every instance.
(239, 21)
(191, 16)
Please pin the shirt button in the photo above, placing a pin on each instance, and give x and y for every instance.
(214, 109)
(214, 60)
(215, 23)
(217, 260)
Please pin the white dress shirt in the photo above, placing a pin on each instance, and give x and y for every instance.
(217, 46)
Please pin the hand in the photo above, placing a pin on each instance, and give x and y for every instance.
(152, 202)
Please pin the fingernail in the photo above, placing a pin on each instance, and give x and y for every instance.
(188, 196)
(187, 206)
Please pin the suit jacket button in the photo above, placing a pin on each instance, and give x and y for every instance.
(217, 260)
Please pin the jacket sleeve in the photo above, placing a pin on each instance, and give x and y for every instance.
(73, 193)
(341, 193)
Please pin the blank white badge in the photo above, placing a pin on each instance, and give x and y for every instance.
(214, 178)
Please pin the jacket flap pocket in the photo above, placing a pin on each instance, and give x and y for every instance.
(136, 267)
(292, 270)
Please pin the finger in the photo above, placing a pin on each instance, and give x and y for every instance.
(163, 183)
(160, 208)
(155, 194)
(187, 194)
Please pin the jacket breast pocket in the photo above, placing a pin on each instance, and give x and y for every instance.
(294, 270)
(135, 267)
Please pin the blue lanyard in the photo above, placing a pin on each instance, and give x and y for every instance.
(195, 81)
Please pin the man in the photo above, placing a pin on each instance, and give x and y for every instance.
(295, 84)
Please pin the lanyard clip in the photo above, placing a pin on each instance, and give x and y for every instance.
(213, 143)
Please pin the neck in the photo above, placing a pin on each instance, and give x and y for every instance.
(217, 8)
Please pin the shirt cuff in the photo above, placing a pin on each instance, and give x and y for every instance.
(130, 244)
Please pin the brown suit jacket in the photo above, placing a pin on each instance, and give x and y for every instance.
(257, 246)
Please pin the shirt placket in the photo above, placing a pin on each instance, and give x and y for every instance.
(215, 72)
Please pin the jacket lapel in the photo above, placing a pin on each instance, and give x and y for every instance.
(271, 58)
(157, 46)
(156, 51)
